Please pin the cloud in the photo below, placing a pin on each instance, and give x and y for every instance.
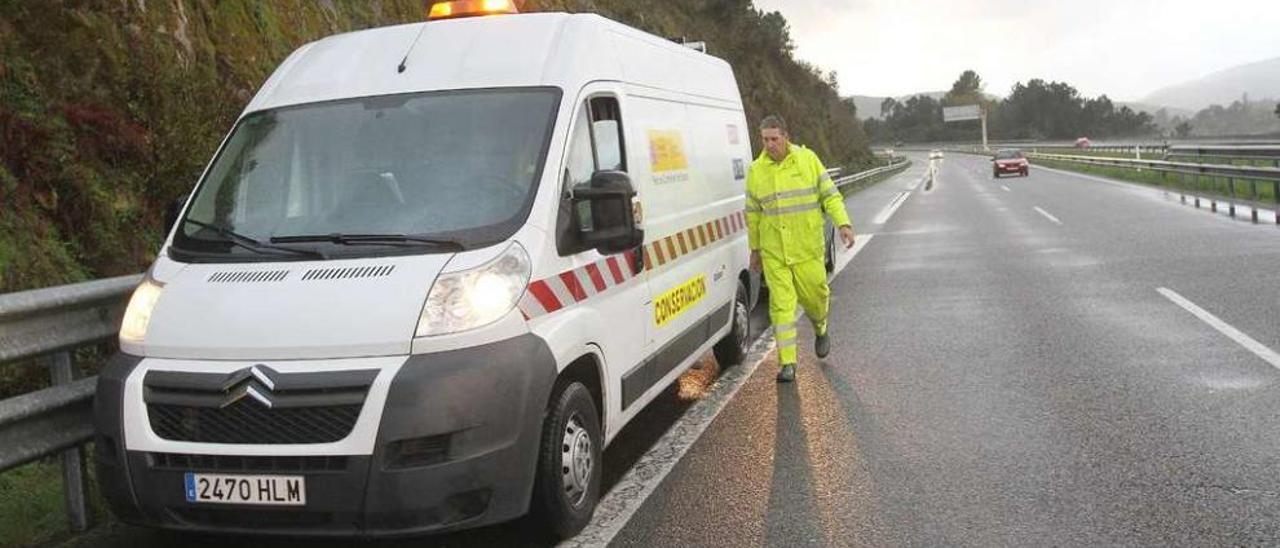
(1123, 48)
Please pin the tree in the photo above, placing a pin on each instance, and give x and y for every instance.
(1041, 109)
(967, 90)
(888, 105)
(1183, 130)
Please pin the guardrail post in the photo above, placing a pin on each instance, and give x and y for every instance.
(1182, 187)
(1197, 194)
(1253, 191)
(72, 459)
(1231, 196)
(1275, 193)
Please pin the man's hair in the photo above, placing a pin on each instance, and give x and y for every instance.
(773, 121)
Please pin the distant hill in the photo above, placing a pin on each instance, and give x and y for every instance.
(869, 106)
(1260, 80)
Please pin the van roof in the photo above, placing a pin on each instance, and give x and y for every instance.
(535, 49)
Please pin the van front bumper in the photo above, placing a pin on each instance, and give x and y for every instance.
(457, 447)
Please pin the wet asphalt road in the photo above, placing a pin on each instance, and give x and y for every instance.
(997, 379)
(1000, 379)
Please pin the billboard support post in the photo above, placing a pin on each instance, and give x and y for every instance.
(964, 113)
(985, 148)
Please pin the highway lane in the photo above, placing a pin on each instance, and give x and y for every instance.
(1007, 372)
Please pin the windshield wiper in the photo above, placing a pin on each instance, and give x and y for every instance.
(372, 239)
(251, 244)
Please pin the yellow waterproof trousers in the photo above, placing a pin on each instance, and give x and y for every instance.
(804, 282)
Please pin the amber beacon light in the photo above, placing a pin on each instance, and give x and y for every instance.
(470, 8)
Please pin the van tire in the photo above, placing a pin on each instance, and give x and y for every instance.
(732, 349)
(563, 502)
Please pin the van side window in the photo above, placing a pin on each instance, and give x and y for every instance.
(606, 126)
(597, 144)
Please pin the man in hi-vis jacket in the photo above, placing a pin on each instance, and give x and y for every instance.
(788, 190)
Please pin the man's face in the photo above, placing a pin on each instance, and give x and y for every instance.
(776, 143)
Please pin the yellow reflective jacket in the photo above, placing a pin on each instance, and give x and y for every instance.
(785, 201)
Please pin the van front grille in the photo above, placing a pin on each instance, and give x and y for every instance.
(255, 405)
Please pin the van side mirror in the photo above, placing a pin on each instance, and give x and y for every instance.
(604, 215)
(171, 213)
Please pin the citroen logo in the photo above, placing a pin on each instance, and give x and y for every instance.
(256, 382)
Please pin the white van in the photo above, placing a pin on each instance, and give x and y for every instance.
(430, 273)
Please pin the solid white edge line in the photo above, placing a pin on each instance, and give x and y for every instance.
(1265, 216)
(843, 259)
(1047, 215)
(626, 497)
(1268, 355)
(1086, 176)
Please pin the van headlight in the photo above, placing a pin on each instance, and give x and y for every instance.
(137, 316)
(460, 301)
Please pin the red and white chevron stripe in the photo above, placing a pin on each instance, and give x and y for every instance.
(575, 286)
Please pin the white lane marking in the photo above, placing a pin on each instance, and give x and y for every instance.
(1268, 355)
(629, 494)
(889, 210)
(1047, 215)
(1005, 188)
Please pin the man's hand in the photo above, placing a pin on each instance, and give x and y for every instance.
(846, 234)
(755, 261)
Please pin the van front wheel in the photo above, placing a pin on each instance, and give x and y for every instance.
(732, 349)
(569, 463)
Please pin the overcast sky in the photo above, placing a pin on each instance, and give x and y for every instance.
(1124, 48)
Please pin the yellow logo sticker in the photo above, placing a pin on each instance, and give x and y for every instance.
(673, 303)
(666, 151)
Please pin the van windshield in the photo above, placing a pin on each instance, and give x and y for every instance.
(420, 173)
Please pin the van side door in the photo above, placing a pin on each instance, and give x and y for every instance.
(614, 284)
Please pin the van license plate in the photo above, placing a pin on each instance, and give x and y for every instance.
(233, 489)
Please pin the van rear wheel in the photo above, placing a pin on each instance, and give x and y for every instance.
(732, 349)
(569, 463)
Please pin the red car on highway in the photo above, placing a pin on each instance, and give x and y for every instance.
(1009, 161)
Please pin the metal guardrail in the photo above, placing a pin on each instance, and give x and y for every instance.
(896, 164)
(1227, 152)
(51, 323)
(1253, 174)
(1204, 152)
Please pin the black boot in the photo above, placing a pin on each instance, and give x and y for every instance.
(822, 345)
(787, 373)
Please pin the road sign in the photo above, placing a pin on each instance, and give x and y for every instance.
(961, 114)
